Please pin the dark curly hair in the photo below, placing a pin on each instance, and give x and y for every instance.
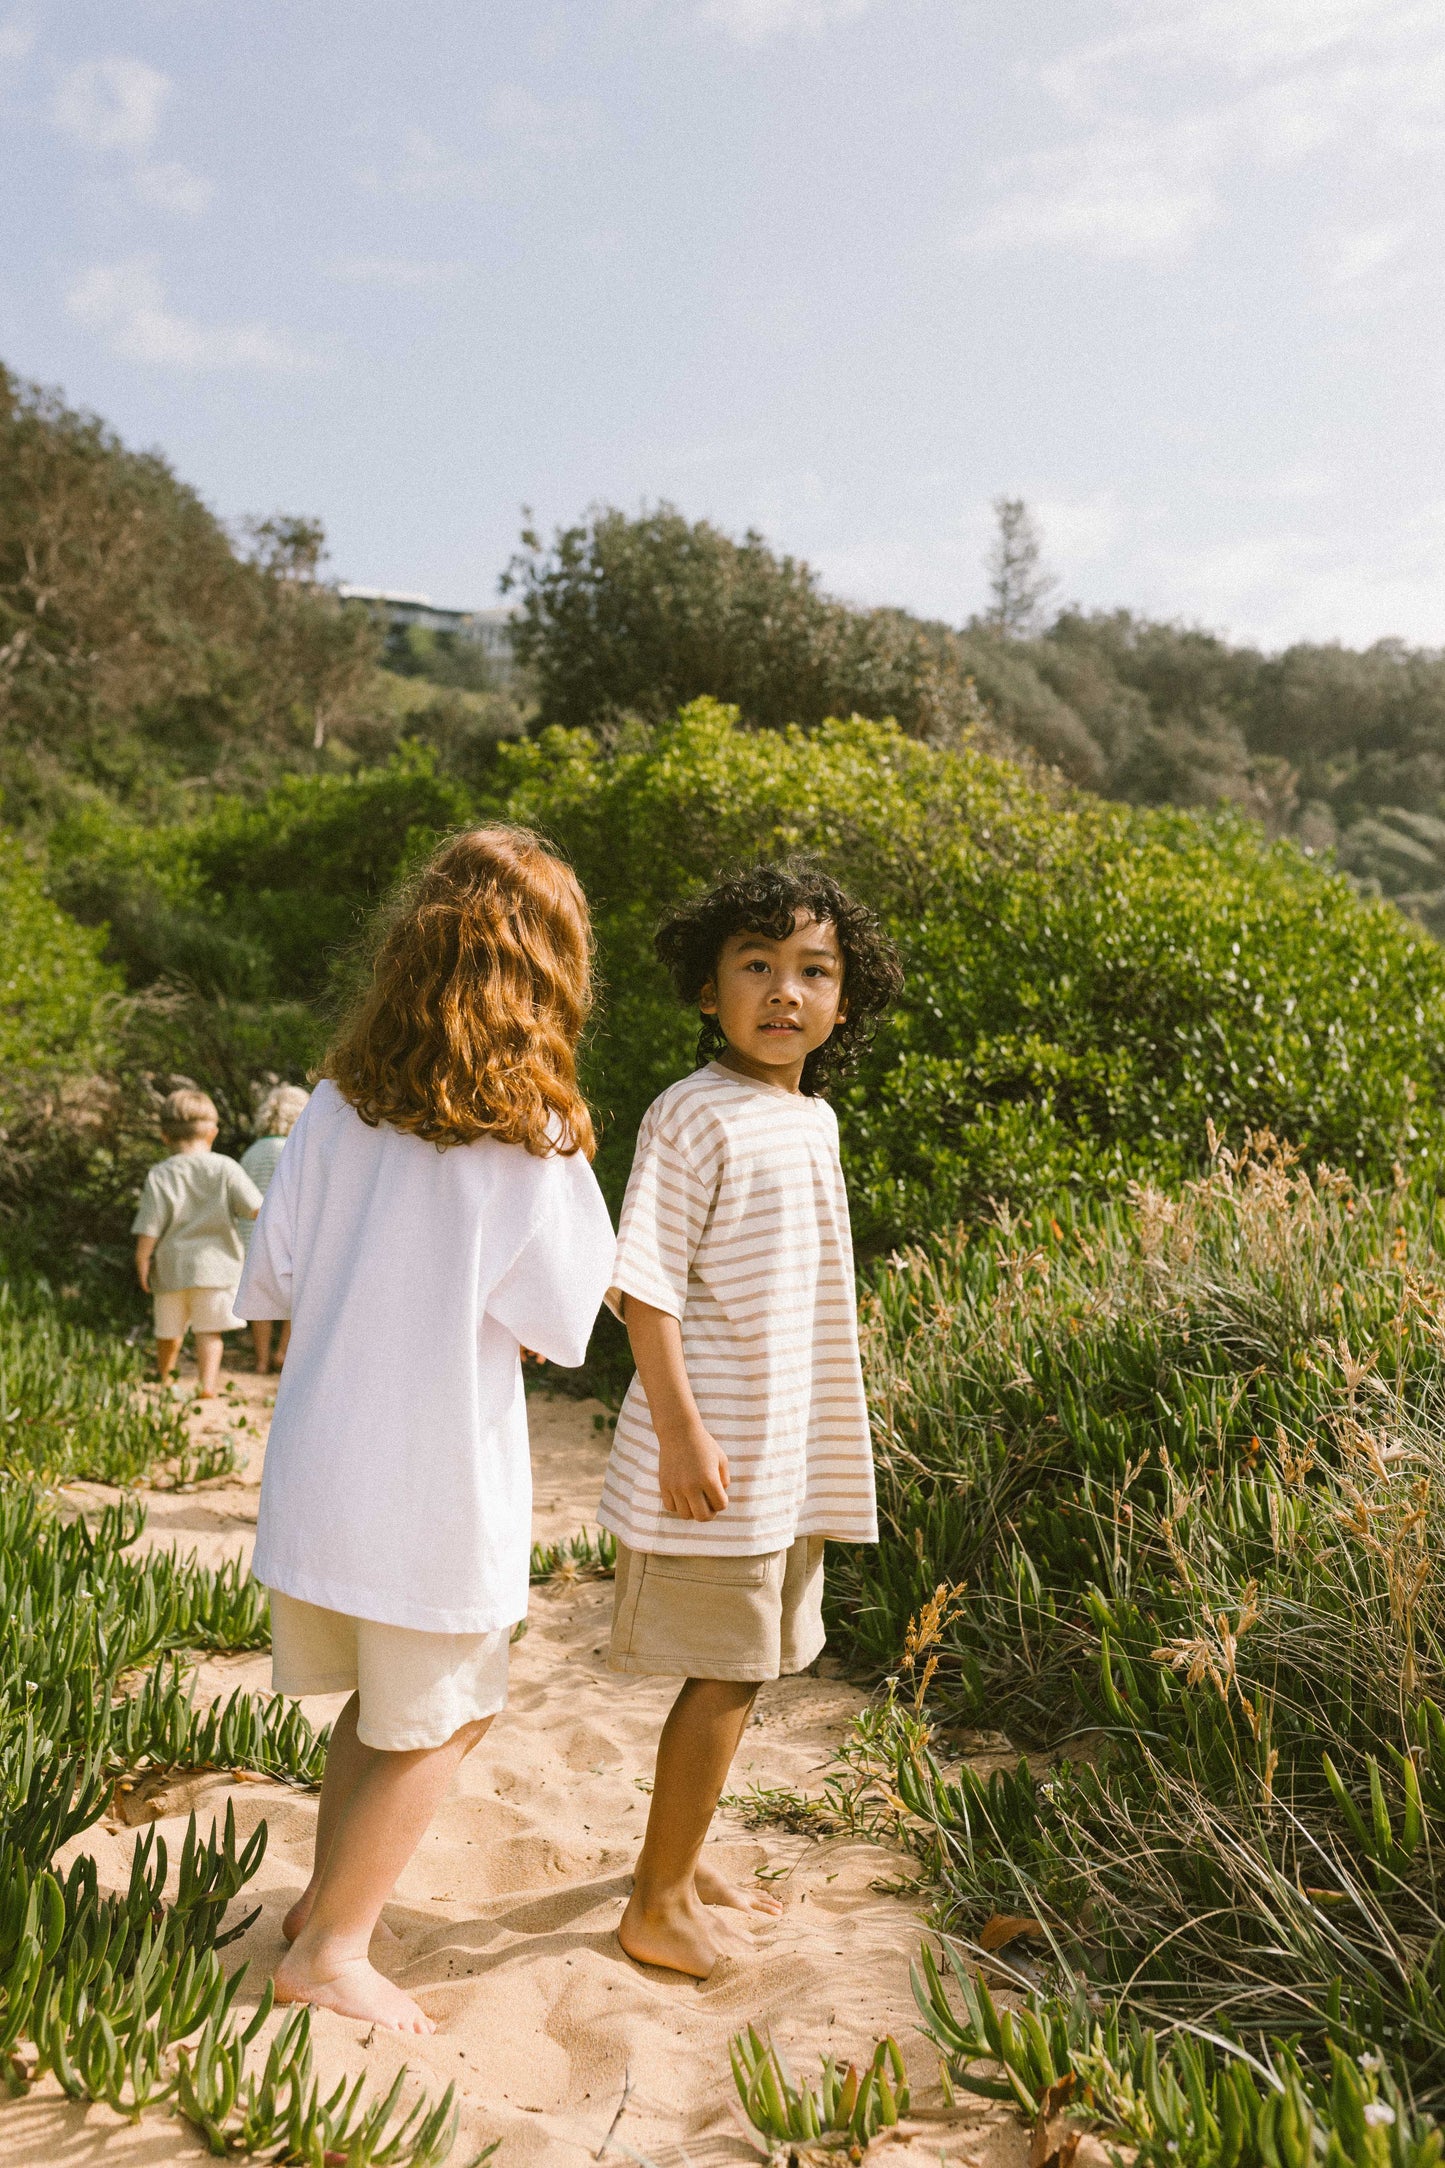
(766, 899)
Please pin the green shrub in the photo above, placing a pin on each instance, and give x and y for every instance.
(53, 984)
(297, 873)
(1088, 985)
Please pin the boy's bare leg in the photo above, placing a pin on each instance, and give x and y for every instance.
(666, 1920)
(283, 1343)
(261, 1342)
(208, 1364)
(384, 1807)
(167, 1353)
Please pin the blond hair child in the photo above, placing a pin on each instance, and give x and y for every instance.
(189, 1250)
(434, 1211)
(277, 1113)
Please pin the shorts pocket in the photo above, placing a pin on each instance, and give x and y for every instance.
(716, 1572)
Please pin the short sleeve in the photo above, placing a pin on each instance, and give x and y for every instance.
(152, 1214)
(664, 1216)
(242, 1195)
(550, 1294)
(265, 1289)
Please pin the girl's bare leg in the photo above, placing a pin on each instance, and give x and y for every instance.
(284, 1342)
(167, 1353)
(345, 1761)
(208, 1364)
(382, 1807)
(666, 1921)
(261, 1342)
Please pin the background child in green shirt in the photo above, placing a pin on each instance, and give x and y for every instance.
(189, 1252)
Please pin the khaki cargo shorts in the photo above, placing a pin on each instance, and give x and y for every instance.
(696, 1617)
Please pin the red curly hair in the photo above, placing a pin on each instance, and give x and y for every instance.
(480, 986)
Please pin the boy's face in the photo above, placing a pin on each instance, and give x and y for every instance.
(777, 1000)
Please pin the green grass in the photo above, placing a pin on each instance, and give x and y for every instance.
(75, 1406)
(1162, 1491)
(124, 1997)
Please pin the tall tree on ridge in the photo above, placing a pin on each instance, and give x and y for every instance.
(1017, 580)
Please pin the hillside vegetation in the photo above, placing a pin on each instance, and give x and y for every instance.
(1146, 1177)
(1336, 748)
(1088, 986)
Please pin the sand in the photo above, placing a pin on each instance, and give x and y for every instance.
(505, 1920)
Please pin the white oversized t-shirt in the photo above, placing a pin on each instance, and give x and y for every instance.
(736, 1223)
(398, 1482)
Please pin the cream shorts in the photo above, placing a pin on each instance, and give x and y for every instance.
(701, 1617)
(204, 1309)
(415, 1689)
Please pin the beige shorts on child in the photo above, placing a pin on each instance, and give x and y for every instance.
(699, 1617)
(415, 1688)
(204, 1309)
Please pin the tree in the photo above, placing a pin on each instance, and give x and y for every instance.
(136, 645)
(1016, 579)
(638, 616)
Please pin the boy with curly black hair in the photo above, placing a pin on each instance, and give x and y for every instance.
(743, 1441)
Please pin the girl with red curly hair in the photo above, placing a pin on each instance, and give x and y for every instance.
(433, 1212)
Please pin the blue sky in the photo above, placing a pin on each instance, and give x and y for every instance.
(845, 270)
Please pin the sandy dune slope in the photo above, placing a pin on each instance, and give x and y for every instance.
(505, 1921)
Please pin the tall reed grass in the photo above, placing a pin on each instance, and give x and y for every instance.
(1172, 1475)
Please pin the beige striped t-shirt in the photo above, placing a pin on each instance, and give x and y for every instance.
(736, 1223)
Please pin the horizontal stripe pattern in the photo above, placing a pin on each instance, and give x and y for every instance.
(736, 1223)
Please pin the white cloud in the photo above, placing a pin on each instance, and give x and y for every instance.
(427, 170)
(173, 188)
(1187, 100)
(1355, 253)
(1121, 193)
(755, 21)
(399, 271)
(115, 106)
(1077, 530)
(541, 125)
(126, 302)
(1330, 579)
(522, 128)
(17, 41)
(111, 105)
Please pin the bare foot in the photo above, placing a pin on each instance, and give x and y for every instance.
(716, 1889)
(676, 1934)
(300, 1913)
(354, 1988)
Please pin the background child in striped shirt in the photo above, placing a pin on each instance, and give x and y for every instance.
(743, 1441)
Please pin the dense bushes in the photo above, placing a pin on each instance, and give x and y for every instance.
(52, 984)
(1087, 986)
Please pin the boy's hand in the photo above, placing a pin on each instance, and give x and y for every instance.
(144, 1251)
(692, 1474)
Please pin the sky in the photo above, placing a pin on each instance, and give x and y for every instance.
(846, 271)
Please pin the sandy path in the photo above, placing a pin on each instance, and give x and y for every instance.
(506, 1917)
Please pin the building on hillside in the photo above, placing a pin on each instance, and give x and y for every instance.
(489, 630)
